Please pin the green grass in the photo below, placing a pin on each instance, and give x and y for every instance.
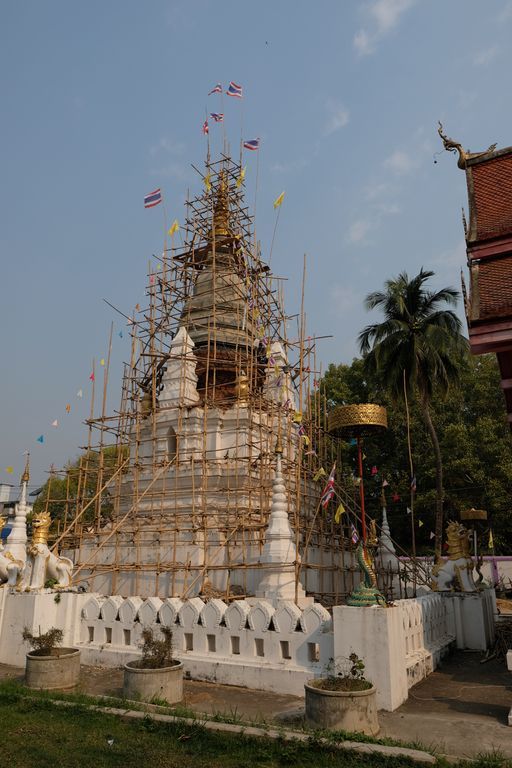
(38, 732)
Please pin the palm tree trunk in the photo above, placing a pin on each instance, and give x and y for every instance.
(439, 477)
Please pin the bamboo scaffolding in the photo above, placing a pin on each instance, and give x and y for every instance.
(178, 507)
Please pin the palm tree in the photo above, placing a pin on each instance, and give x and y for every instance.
(415, 351)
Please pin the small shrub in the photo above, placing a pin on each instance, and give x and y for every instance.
(349, 678)
(44, 643)
(156, 653)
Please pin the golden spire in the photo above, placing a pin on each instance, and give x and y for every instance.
(26, 472)
(221, 209)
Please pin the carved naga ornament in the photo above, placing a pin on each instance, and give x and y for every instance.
(454, 146)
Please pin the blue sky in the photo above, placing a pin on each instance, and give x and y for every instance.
(104, 101)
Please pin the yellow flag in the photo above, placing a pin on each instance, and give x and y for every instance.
(9, 470)
(306, 439)
(491, 541)
(207, 181)
(241, 177)
(279, 200)
(174, 227)
(297, 417)
(339, 513)
(420, 523)
(321, 473)
(102, 361)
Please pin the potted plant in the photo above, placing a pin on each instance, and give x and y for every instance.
(48, 665)
(157, 675)
(343, 699)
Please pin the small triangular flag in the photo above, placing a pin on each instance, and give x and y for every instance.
(9, 470)
(40, 439)
(432, 535)
(408, 510)
(420, 523)
(320, 473)
(91, 377)
(339, 513)
(68, 407)
(279, 200)
(385, 483)
(357, 481)
(120, 334)
(79, 393)
(102, 361)
(174, 227)
(374, 471)
(491, 540)
(55, 423)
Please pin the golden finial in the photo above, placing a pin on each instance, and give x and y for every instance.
(26, 472)
(221, 209)
(242, 386)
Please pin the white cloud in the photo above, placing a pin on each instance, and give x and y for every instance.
(401, 163)
(387, 13)
(466, 99)
(358, 230)
(344, 298)
(174, 170)
(362, 43)
(169, 145)
(377, 189)
(339, 117)
(384, 16)
(506, 13)
(485, 56)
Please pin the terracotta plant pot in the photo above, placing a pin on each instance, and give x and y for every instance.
(164, 683)
(58, 670)
(353, 711)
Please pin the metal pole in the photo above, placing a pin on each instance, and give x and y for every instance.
(361, 488)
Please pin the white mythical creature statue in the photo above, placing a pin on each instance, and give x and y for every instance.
(11, 570)
(456, 572)
(42, 564)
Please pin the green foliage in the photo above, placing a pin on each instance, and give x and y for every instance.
(475, 444)
(344, 675)
(156, 653)
(44, 642)
(63, 495)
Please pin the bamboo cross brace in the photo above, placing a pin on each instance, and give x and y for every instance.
(91, 501)
(119, 524)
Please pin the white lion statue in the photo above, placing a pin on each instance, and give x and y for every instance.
(455, 573)
(43, 564)
(11, 570)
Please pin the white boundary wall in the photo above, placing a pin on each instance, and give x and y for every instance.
(255, 644)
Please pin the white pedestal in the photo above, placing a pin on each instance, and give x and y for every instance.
(377, 636)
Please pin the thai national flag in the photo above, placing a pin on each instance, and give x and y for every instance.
(354, 537)
(153, 198)
(328, 492)
(234, 90)
(217, 116)
(217, 89)
(252, 144)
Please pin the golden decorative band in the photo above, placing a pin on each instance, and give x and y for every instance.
(357, 419)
